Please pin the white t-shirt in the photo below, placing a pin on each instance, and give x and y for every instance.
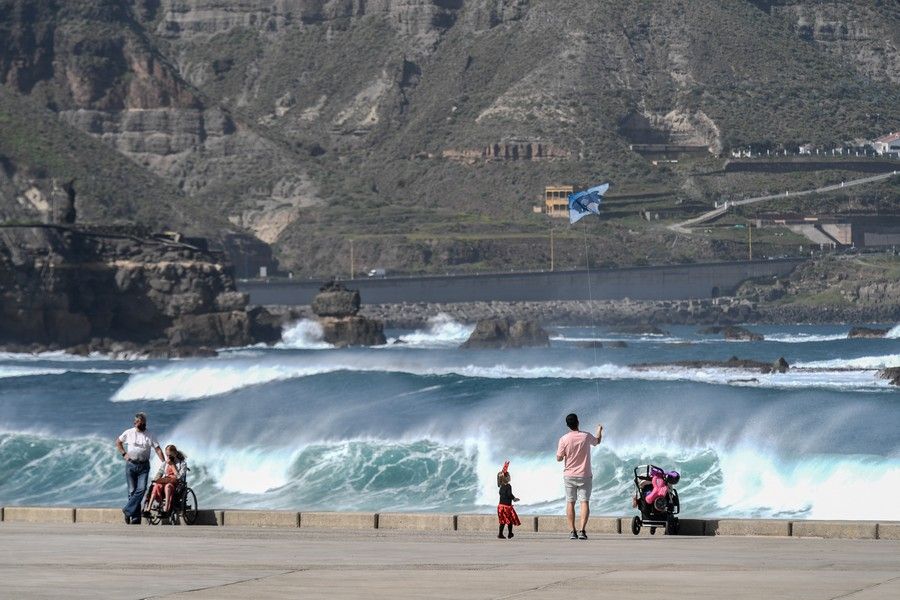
(138, 444)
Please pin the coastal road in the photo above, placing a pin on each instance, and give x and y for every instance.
(684, 227)
(108, 561)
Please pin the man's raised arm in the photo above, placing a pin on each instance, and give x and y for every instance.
(599, 435)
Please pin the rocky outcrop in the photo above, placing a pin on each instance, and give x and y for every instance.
(779, 366)
(333, 300)
(867, 332)
(84, 291)
(336, 308)
(734, 333)
(892, 374)
(506, 333)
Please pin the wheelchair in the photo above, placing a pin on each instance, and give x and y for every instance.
(184, 507)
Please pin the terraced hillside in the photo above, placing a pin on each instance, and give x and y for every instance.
(425, 130)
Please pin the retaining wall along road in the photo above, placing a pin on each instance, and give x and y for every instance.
(870, 530)
(670, 282)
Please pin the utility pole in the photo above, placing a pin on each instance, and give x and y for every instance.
(750, 237)
(351, 259)
(551, 247)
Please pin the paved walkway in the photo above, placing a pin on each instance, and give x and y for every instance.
(107, 561)
(684, 227)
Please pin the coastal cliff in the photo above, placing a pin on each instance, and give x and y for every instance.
(118, 291)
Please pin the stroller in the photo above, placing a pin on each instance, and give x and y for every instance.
(656, 498)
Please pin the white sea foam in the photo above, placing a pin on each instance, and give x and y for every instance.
(863, 362)
(190, 380)
(803, 338)
(56, 356)
(442, 331)
(816, 487)
(894, 333)
(305, 334)
(9, 371)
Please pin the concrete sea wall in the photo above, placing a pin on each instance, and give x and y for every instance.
(670, 282)
(551, 524)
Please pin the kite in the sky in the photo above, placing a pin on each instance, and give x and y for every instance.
(587, 201)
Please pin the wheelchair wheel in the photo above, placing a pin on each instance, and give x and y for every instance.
(154, 510)
(189, 507)
(636, 525)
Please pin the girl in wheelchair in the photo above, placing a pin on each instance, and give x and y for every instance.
(170, 474)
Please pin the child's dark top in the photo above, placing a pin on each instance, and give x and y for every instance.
(506, 494)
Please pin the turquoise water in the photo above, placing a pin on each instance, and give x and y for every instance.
(421, 425)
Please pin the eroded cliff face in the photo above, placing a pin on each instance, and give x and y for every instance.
(89, 291)
(852, 31)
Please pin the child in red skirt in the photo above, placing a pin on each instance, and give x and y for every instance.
(506, 514)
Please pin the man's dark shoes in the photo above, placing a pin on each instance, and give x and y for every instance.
(573, 535)
(582, 535)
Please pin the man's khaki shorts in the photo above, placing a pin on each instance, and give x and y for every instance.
(578, 488)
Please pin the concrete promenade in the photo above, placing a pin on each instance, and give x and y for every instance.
(80, 560)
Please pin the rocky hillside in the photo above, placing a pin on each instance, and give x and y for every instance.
(426, 129)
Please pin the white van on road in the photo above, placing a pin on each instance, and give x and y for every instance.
(377, 273)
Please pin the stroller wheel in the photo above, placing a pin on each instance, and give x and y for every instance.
(671, 525)
(636, 525)
(653, 531)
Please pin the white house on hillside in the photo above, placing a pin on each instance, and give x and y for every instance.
(887, 144)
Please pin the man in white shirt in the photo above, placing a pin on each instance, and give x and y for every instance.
(134, 445)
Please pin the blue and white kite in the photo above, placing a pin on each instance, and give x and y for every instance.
(588, 201)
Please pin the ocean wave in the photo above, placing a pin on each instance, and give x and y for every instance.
(429, 474)
(303, 335)
(192, 380)
(442, 331)
(11, 371)
(56, 356)
(894, 333)
(803, 338)
(863, 362)
(644, 338)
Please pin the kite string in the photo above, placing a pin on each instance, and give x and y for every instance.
(593, 309)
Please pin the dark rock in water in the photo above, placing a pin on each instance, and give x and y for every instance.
(506, 333)
(866, 332)
(616, 344)
(892, 374)
(645, 329)
(732, 332)
(83, 290)
(336, 308)
(265, 327)
(779, 366)
(590, 344)
(353, 330)
(334, 300)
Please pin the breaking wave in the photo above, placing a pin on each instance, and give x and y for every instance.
(189, 380)
(455, 475)
(442, 331)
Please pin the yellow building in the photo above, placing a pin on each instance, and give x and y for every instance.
(556, 200)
